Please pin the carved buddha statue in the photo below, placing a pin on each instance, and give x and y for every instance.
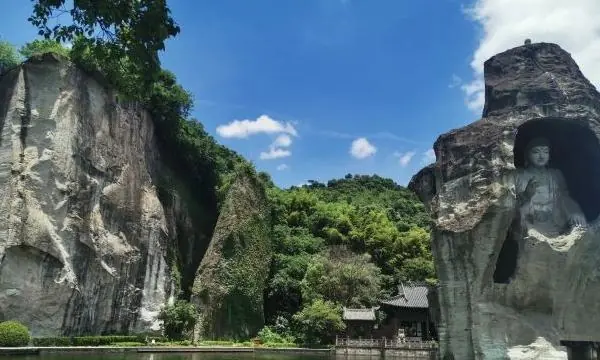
(542, 193)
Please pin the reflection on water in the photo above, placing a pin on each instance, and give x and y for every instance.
(170, 356)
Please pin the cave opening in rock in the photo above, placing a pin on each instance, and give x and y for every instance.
(506, 264)
(574, 149)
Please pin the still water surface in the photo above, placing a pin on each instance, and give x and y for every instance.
(180, 356)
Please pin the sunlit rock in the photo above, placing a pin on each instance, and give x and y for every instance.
(82, 232)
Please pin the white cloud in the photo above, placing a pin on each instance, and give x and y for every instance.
(428, 157)
(361, 148)
(282, 141)
(378, 135)
(573, 25)
(263, 124)
(456, 81)
(282, 167)
(404, 158)
(276, 149)
(275, 153)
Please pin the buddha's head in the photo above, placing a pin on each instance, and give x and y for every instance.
(537, 152)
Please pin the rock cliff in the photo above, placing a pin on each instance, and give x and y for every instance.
(517, 274)
(230, 282)
(92, 241)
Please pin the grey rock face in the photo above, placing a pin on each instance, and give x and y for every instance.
(82, 231)
(506, 289)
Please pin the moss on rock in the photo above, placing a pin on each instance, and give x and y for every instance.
(231, 279)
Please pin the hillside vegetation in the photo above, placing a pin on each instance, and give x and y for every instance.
(345, 243)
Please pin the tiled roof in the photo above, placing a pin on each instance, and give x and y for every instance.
(359, 314)
(410, 296)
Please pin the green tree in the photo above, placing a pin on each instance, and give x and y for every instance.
(178, 318)
(114, 30)
(8, 56)
(294, 248)
(13, 334)
(368, 214)
(40, 46)
(318, 322)
(332, 221)
(343, 277)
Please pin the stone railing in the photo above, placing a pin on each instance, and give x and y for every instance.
(407, 343)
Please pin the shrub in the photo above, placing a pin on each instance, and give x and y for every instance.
(217, 342)
(128, 344)
(41, 46)
(268, 335)
(94, 340)
(101, 340)
(318, 322)
(51, 341)
(13, 334)
(178, 319)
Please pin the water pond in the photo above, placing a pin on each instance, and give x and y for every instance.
(171, 356)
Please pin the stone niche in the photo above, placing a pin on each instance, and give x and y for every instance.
(519, 265)
(573, 148)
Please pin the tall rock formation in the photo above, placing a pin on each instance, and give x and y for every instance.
(91, 240)
(230, 282)
(518, 273)
(81, 227)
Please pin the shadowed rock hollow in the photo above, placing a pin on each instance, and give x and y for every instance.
(89, 242)
(515, 239)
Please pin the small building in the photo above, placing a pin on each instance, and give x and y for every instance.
(359, 322)
(408, 313)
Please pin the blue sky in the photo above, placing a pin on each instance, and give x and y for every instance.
(315, 89)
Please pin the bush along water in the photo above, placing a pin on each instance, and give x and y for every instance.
(95, 340)
(13, 334)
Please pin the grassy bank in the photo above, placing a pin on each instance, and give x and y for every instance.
(143, 341)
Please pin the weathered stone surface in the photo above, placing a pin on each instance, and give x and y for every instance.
(230, 283)
(423, 183)
(82, 231)
(506, 290)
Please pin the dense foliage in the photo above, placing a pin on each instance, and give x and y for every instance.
(345, 278)
(345, 243)
(380, 227)
(318, 322)
(178, 319)
(9, 56)
(41, 46)
(13, 334)
(123, 35)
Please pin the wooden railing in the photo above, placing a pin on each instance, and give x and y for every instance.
(408, 343)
